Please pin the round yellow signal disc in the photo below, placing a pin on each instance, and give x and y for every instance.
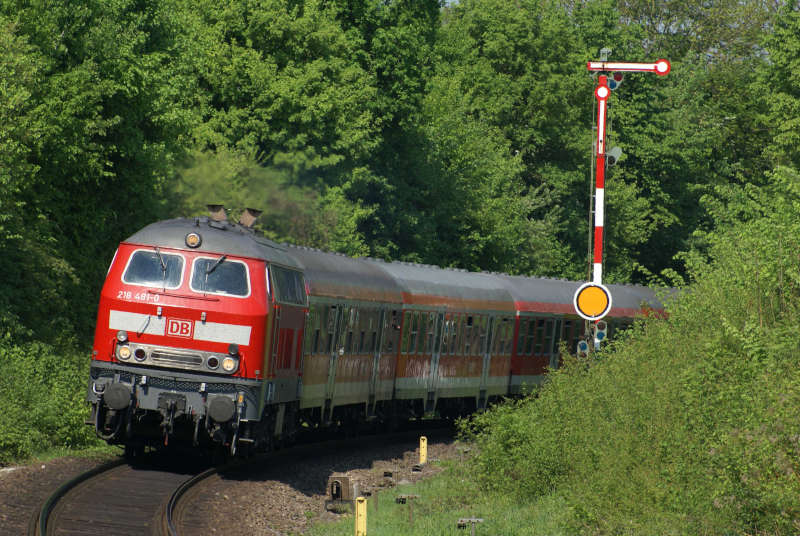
(592, 301)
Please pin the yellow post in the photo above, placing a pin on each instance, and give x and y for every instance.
(423, 450)
(361, 516)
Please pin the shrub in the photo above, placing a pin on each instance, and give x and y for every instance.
(42, 396)
(688, 425)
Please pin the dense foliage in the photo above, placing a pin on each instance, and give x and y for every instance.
(453, 133)
(688, 425)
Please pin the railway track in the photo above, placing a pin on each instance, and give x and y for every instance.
(118, 498)
(152, 496)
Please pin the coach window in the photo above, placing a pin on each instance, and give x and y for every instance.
(558, 334)
(539, 339)
(154, 268)
(423, 333)
(531, 337)
(406, 332)
(498, 339)
(390, 331)
(446, 328)
(548, 337)
(523, 328)
(569, 334)
(509, 336)
(454, 334)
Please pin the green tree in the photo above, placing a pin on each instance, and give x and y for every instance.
(104, 122)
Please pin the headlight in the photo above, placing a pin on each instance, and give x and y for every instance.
(212, 362)
(140, 354)
(193, 240)
(229, 364)
(124, 352)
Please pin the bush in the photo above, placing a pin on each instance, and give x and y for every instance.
(688, 425)
(42, 396)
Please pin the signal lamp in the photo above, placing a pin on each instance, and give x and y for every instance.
(600, 330)
(233, 349)
(212, 362)
(122, 336)
(140, 354)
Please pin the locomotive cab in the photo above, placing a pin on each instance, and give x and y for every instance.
(182, 327)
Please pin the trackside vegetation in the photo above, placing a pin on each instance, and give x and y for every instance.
(685, 425)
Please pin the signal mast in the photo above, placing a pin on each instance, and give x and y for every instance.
(592, 300)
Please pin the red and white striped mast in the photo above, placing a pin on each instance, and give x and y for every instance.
(593, 300)
(601, 93)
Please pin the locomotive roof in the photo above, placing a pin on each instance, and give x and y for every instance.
(338, 276)
(217, 237)
(439, 287)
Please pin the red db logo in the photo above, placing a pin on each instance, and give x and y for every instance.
(179, 328)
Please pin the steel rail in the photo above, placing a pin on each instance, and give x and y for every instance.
(169, 511)
(38, 525)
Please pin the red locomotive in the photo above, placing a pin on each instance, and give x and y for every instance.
(208, 332)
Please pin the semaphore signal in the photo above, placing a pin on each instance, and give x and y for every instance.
(592, 300)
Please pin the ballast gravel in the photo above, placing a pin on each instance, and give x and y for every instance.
(278, 500)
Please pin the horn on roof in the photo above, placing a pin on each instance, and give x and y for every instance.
(217, 212)
(249, 216)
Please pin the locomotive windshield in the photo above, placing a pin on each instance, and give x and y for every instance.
(220, 276)
(154, 269)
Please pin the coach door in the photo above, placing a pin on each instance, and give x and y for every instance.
(336, 323)
(438, 334)
(376, 345)
(289, 307)
(487, 356)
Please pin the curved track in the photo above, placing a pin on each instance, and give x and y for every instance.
(153, 495)
(116, 498)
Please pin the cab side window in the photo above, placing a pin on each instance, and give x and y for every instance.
(288, 285)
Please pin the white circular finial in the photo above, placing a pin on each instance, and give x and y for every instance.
(662, 67)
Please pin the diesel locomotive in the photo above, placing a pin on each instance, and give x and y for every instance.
(210, 334)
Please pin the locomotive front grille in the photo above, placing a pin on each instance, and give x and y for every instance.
(170, 358)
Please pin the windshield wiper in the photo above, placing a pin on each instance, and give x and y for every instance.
(163, 267)
(214, 266)
(211, 269)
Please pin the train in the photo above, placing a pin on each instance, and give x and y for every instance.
(210, 334)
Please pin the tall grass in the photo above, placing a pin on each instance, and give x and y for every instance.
(689, 425)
